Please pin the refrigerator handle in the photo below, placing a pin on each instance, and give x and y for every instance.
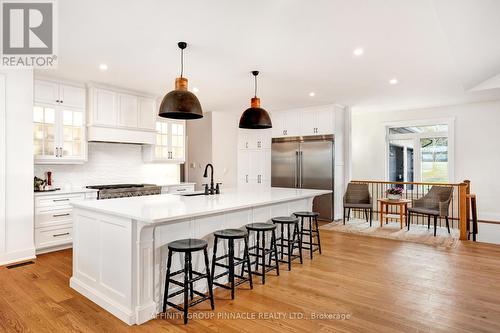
(296, 168)
(301, 157)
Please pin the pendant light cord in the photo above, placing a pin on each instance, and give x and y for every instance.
(255, 95)
(182, 62)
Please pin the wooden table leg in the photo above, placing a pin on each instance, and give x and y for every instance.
(401, 207)
(381, 213)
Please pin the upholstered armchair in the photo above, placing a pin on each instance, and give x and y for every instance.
(435, 203)
(357, 196)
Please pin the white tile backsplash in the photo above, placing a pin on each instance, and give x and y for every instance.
(111, 163)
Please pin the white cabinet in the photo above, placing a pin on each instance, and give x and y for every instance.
(59, 135)
(177, 189)
(105, 108)
(121, 116)
(254, 139)
(254, 159)
(128, 111)
(71, 96)
(147, 113)
(170, 145)
(54, 219)
(285, 123)
(302, 122)
(55, 93)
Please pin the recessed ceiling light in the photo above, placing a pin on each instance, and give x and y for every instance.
(393, 81)
(195, 89)
(359, 51)
(103, 67)
(312, 94)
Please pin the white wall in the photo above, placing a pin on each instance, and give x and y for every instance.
(199, 151)
(111, 163)
(225, 147)
(476, 147)
(17, 234)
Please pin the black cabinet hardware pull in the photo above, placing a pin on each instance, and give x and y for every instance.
(59, 215)
(59, 235)
(56, 200)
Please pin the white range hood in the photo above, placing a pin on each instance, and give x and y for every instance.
(117, 115)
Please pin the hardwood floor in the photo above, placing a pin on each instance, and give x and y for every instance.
(382, 285)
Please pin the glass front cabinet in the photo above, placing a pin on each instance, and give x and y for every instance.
(170, 142)
(58, 134)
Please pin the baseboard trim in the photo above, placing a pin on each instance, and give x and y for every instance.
(13, 257)
(54, 248)
(115, 309)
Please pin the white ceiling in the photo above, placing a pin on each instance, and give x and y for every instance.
(438, 49)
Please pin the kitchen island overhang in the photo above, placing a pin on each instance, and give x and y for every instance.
(120, 245)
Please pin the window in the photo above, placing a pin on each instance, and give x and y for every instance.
(419, 153)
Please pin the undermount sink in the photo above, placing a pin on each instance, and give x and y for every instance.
(192, 194)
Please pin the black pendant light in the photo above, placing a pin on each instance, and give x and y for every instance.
(255, 117)
(180, 103)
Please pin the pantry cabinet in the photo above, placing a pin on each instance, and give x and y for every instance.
(59, 135)
(254, 159)
(170, 143)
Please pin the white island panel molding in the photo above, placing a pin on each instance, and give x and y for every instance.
(120, 245)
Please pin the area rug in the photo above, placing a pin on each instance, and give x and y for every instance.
(417, 233)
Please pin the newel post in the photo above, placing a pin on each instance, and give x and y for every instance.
(463, 188)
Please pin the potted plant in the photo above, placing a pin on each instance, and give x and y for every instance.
(394, 193)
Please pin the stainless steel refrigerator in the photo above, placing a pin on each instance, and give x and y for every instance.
(306, 162)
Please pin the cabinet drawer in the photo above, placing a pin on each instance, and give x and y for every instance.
(58, 201)
(180, 188)
(53, 236)
(56, 217)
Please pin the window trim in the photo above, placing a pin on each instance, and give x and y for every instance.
(422, 122)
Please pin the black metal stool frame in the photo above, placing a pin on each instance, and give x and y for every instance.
(187, 285)
(264, 252)
(289, 243)
(233, 261)
(311, 233)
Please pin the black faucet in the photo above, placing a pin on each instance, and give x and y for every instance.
(211, 190)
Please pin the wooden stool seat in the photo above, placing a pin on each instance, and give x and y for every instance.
(231, 233)
(187, 245)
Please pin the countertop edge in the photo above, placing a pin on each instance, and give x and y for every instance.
(81, 205)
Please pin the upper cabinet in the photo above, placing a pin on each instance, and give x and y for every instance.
(285, 123)
(170, 143)
(128, 112)
(301, 122)
(54, 93)
(59, 123)
(147, 113)
(121, 116)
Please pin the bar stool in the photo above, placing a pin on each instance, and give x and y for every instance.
(187, 246)
(231, 235)
(313, 231)
(261, 229)
(291, 240)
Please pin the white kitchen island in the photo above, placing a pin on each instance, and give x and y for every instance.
(120, 245)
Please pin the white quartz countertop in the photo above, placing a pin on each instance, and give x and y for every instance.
(168, 207)
(66, 190)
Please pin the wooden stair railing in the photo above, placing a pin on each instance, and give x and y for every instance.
(471, 199)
